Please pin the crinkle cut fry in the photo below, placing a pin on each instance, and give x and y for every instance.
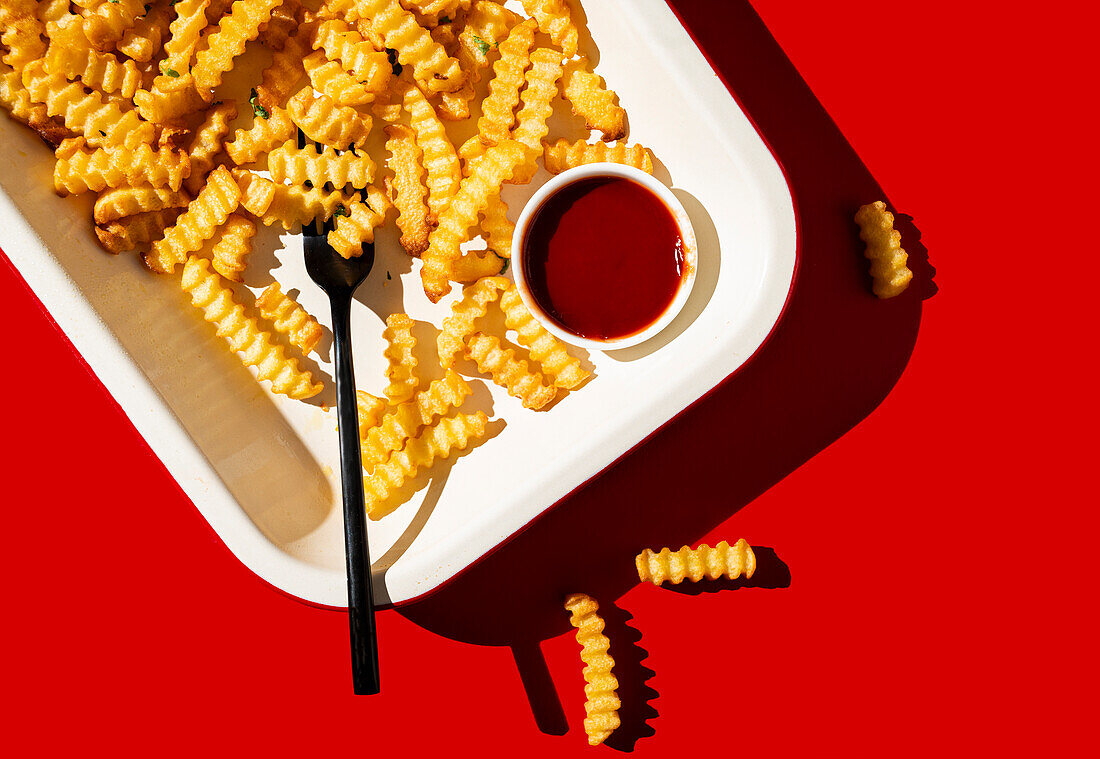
(144, 39)
(229, 254)
(498, 107)
(554, 21)
(78, 170)
(106, 24)
(496, 227)
(326, 122)
(476, 264)
(358, 225)
(601, 699)
(102, 124)
(355, 55)
(435, 442)
(330, 79)
(128, 200)
(723, 560)
(289, 163)
(369, 408)
(465, 312)
(407, 419)
(486, 26)
(196, 225)
(542, 88)
(494, 168)
(515, 375)
(281, 26)
(208, 142)
(134, 232)
(184, 33)
(289, 318)
(547, 350)
(253, 345)
(20, 33)
(400, 358)
(562, 155)
(170, 99)
(101, 71)
(280, 78)
(889, 270)
(407, 188)
(234, 31)
(432, 67)
(15, 99)
(291, 206)
(440, 158)
(591, 100)
(264, 134)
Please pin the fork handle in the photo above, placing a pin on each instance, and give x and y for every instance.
(364, 641)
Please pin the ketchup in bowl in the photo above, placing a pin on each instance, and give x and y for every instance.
(603, 257)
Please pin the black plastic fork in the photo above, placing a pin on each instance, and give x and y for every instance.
(339, 277)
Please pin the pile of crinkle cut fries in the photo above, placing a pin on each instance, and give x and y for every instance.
(130, 96)
(135, 100)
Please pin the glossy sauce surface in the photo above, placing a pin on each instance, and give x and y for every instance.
(603, 257)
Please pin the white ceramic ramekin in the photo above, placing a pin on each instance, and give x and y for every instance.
(596, 170)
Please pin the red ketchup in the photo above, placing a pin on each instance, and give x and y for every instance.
(603, 257)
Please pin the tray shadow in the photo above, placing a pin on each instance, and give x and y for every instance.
(832, 359)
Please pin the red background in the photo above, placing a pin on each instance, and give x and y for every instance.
(920, 468)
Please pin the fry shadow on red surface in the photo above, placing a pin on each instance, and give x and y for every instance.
(830, 362)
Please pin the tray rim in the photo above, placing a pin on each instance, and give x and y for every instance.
(93, 342)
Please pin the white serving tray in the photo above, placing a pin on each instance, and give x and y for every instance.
(263, 470)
